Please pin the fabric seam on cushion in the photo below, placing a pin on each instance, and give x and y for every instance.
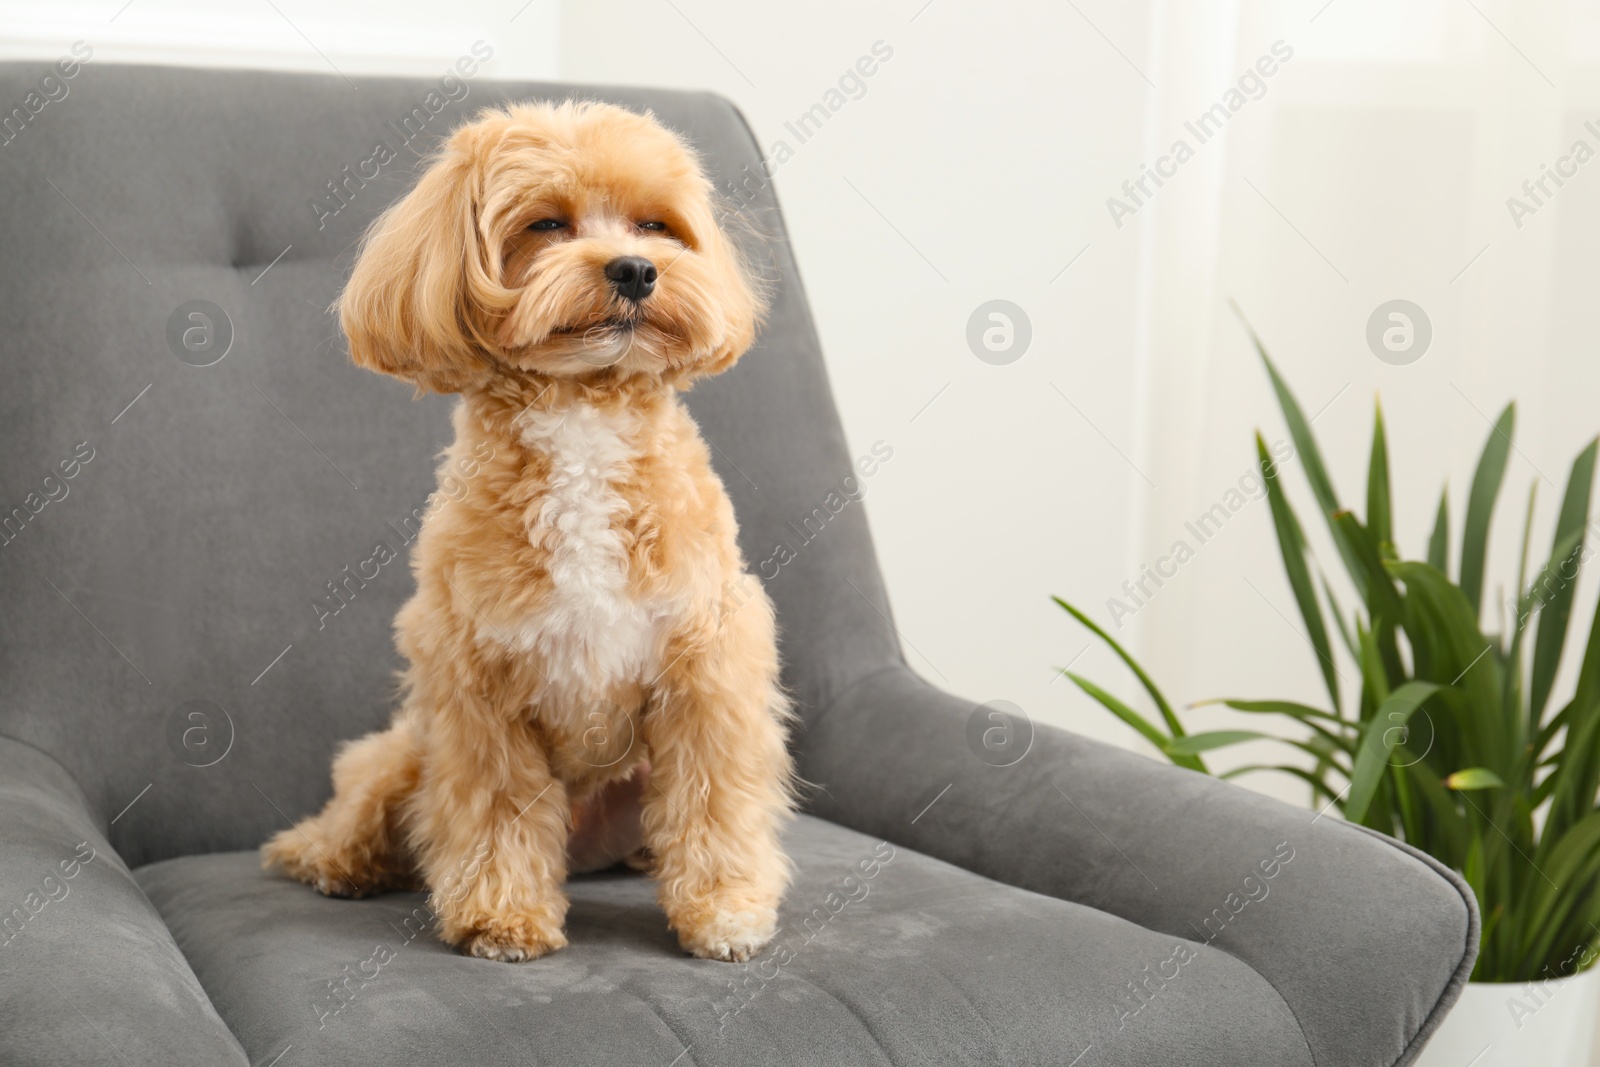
(854, 1012)
(1311, 1052)
(655, 1009)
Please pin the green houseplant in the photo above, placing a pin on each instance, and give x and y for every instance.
(1449, 739)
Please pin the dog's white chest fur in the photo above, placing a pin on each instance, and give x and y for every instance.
(592, 632)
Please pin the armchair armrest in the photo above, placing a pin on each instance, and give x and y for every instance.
(1368, 941)
(88, 971)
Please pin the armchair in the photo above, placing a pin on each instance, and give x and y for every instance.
(189, 626)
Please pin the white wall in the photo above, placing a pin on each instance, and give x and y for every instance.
(344, 37)
(979, 163)
(973, 168)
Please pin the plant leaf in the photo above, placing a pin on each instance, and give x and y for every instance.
(1576, 777)
(1195, 744)
(1316, 471)
(1518, 627)
(1449, 831)
(1439, 542)
(1448, 647)
(1548, 731)
(1299, 429)
(1326, 747)
(1373, 675)
(1379, 506)
(1573, 781)
(1145, 680)
(1122, 711)
(1472, 868)
(1556, 611)
(1480, 504)
(1366, 566)
(1339, 623)
(1292, 547)
(1474, 778)
(1383, 732)
(1562, 865)
(1278, 707)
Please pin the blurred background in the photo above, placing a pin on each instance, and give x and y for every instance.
(936, 156)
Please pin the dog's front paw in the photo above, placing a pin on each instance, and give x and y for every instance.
(513, 938)
(727, 929)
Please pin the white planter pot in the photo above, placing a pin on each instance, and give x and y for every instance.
(1527, 1024)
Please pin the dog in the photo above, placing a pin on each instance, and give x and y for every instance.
(583, 627)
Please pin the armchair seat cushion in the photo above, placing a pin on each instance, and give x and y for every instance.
(884, 956)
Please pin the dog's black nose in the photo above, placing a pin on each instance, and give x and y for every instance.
(633, 277)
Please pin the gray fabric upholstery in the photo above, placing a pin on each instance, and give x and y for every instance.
(88, 971)
(1359, 935)
(920, 963)
(158, 638)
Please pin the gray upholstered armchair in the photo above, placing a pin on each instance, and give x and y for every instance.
(190, 622)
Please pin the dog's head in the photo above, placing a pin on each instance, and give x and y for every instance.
(575, 240)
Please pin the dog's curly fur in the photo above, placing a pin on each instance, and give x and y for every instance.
(582, 616)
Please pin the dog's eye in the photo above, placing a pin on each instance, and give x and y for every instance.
(544, 225)
(653, 226)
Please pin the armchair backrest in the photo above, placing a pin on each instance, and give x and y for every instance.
(198, 489)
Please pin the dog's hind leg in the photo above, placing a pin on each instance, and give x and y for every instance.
(356, 845)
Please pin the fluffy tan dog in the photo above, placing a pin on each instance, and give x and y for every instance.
(582, 614)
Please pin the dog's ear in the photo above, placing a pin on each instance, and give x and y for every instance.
(742, 298)
(413, 306)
